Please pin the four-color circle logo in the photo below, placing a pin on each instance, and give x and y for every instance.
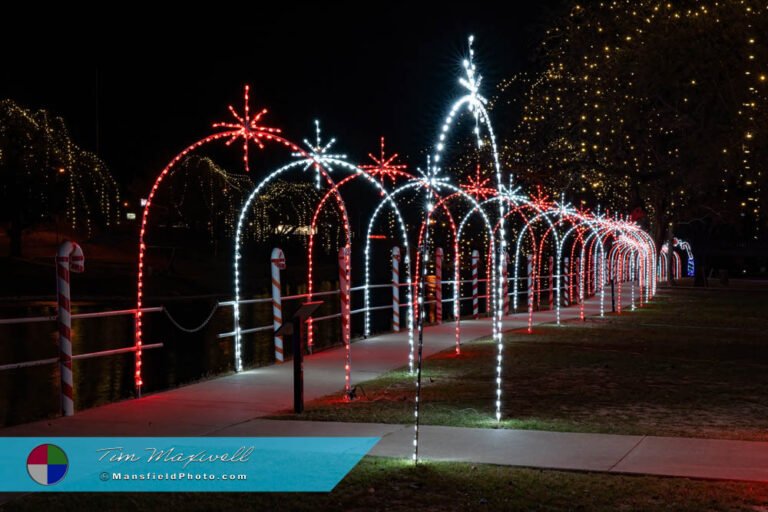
(47, 464)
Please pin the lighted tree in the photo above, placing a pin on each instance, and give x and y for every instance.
(204, 201)
(650, 104)
(43, 174)
(283, 212)
(205, 198)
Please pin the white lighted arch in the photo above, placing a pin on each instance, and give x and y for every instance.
(476, 105)
(388, 198)
(238, 236)
(541, 215)
(590, 223)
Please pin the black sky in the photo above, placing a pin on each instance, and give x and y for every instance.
(139, 87)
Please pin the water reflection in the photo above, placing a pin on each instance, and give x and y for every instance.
(28, 394)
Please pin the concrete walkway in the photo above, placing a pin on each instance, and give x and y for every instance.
(202, 408)
(231, 406)
(648, 455)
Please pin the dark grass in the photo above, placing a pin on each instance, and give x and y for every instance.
(396, 485)
(691, 363)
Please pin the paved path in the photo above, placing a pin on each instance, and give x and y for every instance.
(232, 405)
(664, 456)
(206, 407)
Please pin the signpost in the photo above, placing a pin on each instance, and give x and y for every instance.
(294, 329)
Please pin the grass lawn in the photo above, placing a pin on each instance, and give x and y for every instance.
(692, 363)
(383, 484)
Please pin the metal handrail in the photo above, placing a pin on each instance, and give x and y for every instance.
(246, 301)
(271, 327)
(99, 314)
(326, 317)
(262, 300)
(89, 355)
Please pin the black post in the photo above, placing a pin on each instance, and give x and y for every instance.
(613, 297)
(295, 331)
(298, 367)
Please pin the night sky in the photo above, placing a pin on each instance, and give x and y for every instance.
(140, 88)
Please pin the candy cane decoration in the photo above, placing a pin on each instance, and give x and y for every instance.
(551, 283)
(439, 285)
(277, 263)
(530, 292)
(396, 289)
(344, 271)
(475, 304)
(68, 259)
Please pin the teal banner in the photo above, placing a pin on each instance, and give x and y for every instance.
(178, 464)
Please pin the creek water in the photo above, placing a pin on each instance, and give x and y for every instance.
(28, 394)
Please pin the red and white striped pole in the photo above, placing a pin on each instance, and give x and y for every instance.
(396, 289)
(475, 264)
(439, 285)
(277, 263)
(530, 292)
(68, 259)
(551, 283)
(505, 284)
(344, 271)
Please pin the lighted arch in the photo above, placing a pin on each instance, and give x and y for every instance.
(579, 223)
(246, 128)
(238, 236)
(442, 204)
(413, 183)
(387, 199)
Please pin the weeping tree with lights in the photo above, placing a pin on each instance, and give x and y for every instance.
(653, 105)
(43, 174)
(283, 213)
(205, 198)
